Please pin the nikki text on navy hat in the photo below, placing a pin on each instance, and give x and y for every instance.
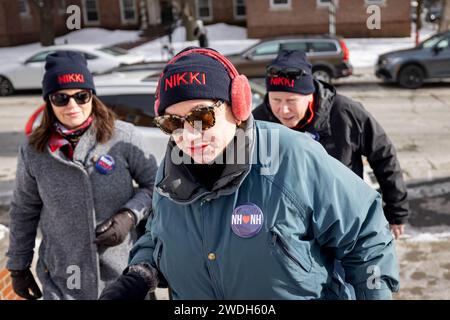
(290, 72)
(194, 76)
(66, 70)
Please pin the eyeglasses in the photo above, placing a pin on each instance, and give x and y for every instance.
(205, 114)
(288, 72)
(60, 99)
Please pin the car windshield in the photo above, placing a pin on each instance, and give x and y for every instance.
(270, 48)
(114, 51)
(431, 41)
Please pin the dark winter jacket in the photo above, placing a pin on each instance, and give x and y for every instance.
(348, 132)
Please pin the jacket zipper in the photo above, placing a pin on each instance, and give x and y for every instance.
(276, 239)
(215, 284)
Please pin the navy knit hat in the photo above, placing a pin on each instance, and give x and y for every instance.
(194, 76)
(66, 70)
(287, 62)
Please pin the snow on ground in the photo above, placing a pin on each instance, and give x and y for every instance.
(232, 39)
(224, 38)
(83, 36)
(428, 237)
(3, 231)
(364, 52)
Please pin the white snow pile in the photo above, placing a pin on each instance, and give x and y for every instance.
(229, 39)
(224, 38)
(428, 237)
(364, 52)
(83, 36)
(3, 231)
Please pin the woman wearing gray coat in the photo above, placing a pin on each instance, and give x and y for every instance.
(75, 180)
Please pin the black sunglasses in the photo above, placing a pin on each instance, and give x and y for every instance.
(60, 99)
(288, 72)
(205, 114)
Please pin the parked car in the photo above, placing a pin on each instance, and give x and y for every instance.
(328, 55)
(409, 68)
(27, 73)
(131, 96)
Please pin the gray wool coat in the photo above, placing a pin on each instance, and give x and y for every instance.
(68, 199)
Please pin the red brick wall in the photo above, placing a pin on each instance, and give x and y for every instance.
(16, 29)
(6, 291)
(223, 11)
(306, 17)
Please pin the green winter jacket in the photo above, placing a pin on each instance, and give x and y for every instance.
(314, 209)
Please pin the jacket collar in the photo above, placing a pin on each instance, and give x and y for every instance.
(323, 102)
(87, 143)
(180, 186)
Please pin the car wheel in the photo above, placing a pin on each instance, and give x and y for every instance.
(6, 87)
(411, 77)
(322, 74)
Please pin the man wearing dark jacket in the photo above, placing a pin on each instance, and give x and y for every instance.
(344, 128)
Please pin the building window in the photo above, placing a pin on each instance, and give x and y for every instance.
(239, 9)
(128, 11)
(24, 9)
(204, 9)
(280, 4)
(62, 7)
(91, 12)
(326, 3)
(375, 2)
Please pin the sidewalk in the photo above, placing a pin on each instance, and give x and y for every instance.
(6, 291)
(424, 268)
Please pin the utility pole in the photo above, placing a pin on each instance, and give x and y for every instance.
(418, 20)
(332, 17)
(444, 24)
(143, 15)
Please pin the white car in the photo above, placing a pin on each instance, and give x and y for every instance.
(27, 73)
(131, 95)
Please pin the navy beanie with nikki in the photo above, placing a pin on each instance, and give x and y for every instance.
(288, 60)
(66, 70)
(194, 76)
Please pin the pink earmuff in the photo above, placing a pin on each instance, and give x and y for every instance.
(241, 93)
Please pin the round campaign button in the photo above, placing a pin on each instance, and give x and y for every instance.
(247, 220)
(105, 164)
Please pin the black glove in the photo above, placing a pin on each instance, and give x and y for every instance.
(24, 285)
(113, 231)
(134, 284)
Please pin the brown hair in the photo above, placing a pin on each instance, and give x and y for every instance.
(103, 122)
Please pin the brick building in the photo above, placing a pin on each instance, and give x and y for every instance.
(266, 18)
(226, 11)
(19, 19)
